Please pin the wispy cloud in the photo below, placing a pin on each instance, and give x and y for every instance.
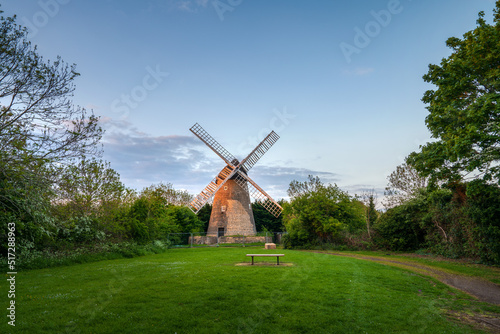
(276, 179)
(142, 159)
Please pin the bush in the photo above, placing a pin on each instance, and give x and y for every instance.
(35, 259)
(483, 207)
(460, 220)
(318, 214)
(399, 228)
(81, 230)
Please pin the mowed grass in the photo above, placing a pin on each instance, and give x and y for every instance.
(203, 291)
(463, 267)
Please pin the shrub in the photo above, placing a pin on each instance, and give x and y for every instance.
(483, 206)
(81, 230)
(399, 228)
(317, 214)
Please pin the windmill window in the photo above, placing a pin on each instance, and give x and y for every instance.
(225, 187)
(223, 208)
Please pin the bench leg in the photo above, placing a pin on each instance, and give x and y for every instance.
(278, 260)
(252, 260)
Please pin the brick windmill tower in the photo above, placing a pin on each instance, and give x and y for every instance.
(231, 189)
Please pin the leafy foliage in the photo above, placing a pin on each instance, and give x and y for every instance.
(264, 220)
(90, 187)
(152, 217)
(399, 228)
(40, 129)
(483, 207)
(204, 215)
(25, 201)
(167, 194)
(458, 221)
(464, 110)
(317, 213)
(81, 229)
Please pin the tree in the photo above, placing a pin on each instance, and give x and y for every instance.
(297, 189)
(153, 216)
(404, 184)
(264, 220)
(317, 213)
(185, 219)
(399, 228)
(168, 194)
(90, 187)
(371, 213)
(26, 202)
(464, 110)
(39, 129)
(204, 215)
(38, 121)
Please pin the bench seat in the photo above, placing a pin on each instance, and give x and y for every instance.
(267, 255)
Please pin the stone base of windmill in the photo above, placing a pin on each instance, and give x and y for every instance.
(212, 240)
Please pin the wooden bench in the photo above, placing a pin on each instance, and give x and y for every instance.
(267, 255)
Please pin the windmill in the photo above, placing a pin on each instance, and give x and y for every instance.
(232, 187)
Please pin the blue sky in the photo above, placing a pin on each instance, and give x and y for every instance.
(339, 81)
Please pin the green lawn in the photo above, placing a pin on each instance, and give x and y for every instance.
(200, 290)
(491, 273)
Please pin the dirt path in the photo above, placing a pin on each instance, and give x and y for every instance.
(483, 290)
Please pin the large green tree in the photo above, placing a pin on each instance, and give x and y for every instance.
(318, 213)
(154, 215)
(464, 109)
(40, 129)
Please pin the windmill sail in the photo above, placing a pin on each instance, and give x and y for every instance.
(236, 171)
(258, 194)
(213, 144)
(259, 151)
(199, 201)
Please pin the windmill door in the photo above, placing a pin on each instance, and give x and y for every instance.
(220, 233)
